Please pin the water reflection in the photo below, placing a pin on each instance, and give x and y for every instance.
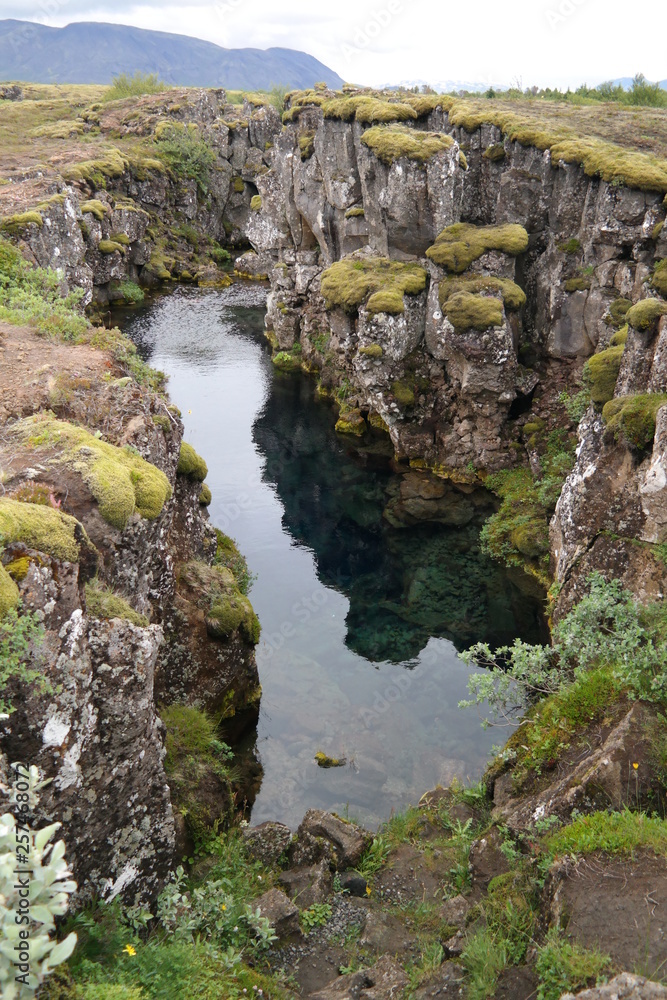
(361, 618)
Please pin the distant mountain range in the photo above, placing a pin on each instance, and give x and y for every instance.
(92, 52)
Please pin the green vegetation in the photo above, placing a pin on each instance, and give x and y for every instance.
(616, 315)
(367, 109)
(307, 145)
(659, 278)
(403, 393)
(473, 312)
(131, 293)
(371, 351)
(620, 338)
(21, 636)
(514, 298)
(571, 246)
(191, 464)
(378, 282)
(324, 761)
(256, 203)
(42, 528)
(14, 225)
(288, 361)
(124, 86)
(108, 247)
(230, 613)
(615, 833)
(608, 631)
(646, 313)
(458, 246)
(390, 144)
(9, 592)
(228, 555)
(351, 421)
(355, 213)
(120, 480)
(101, 602)
(96, 208)
(632, 418)
(564, 967)
(484, 958)
(495, 153)
(601, 374)
(31, 296)
(578, 284)
(96, 173)
(205, 497)
(185, 152)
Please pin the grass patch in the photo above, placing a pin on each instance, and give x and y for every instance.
(101, 602)
(124, 86)
(484, 958)
(632, 418)
(391, 144)
(378, 282)
(458, 246)
(615, 833)
(564, 967)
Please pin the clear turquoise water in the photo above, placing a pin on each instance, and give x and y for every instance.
(361, 621)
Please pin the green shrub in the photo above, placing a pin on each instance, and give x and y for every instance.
(21, 637)
(186, 152)
(632, 418)
(131, 293)
(124, 86)
(484, 958)
(458, 246)
(377, 281)
(601, 374)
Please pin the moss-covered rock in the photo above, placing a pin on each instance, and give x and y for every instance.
(120, 480)
(371, 351)
(377, 281)
(601, 374)
(190, 464)
(205, 497)
(646, 313)
(514, 298)
(617, 312)
(366, 108)
(9, 592)
(42, 528)
(287, 361)
(531, 539)
(579, 284)
(403, 393)
(632, 418)
(393, 143)
(106, 604)
(357, 212)
(14, 225)
(473, 312)
(620, 338)
(494, 153)
(659, 278)
(458, 246)
(96, 208)
(351, 421)
(107, 247)
(233, 613)
(256, 203)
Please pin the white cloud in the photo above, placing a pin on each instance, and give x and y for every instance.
(544, 42)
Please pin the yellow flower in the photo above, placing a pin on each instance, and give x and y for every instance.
(368, 890)
(636, 767)
(224, 907)
(129, 950)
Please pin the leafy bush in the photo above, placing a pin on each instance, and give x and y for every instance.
(31, 296)
(125, 85)
(186, 152)
(316, 915)
(564, 967)
(50, 888)
(21, 635)
(608, 628)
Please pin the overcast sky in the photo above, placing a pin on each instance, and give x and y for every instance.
(544, 42)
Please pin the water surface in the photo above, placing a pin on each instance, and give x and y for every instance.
(361, 620)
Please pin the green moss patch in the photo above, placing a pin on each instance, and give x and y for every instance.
(355, 213)
(120, 480)
(473, 312)
(367, 109)
(101, 602)
(287, 361)
(458, 246)
(391, 144)
(43, 528)
(646, 313)
(378, 282)
(579, 284)
(14, 225)
(256, 203)
(232, 613)
(371, 351)
(351, 421)
(571, 246)
(632, 418)
(96, 173)
(659, 278)
(601, 374)
(205, 497)
(620, 338)
(514, 298)
(307, 145)
(96, 208)
(403, 393)
(617, 312)
(191, 464)
(9, 592)
(107, 247)
(495, 153)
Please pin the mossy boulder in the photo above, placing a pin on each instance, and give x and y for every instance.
(377, 281)
(458, 246)
(120, 480)
(578, 284)
(473, 312)
(96, 208)
(16, 224)
(601, 374)
(646, 314)
(351, 421)
(531, 539)
(233, 613)
(620, 338)
(514, 298)
(42, 528)
(371, 351)
(403, 393)
(617, 312)
(659, 278)
(108, 247)
(393, 143)
(632, 418)
(366, 108)
(9, 592)
(205, 497)
(190, 464)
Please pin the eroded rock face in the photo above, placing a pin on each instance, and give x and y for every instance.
(625, 987)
